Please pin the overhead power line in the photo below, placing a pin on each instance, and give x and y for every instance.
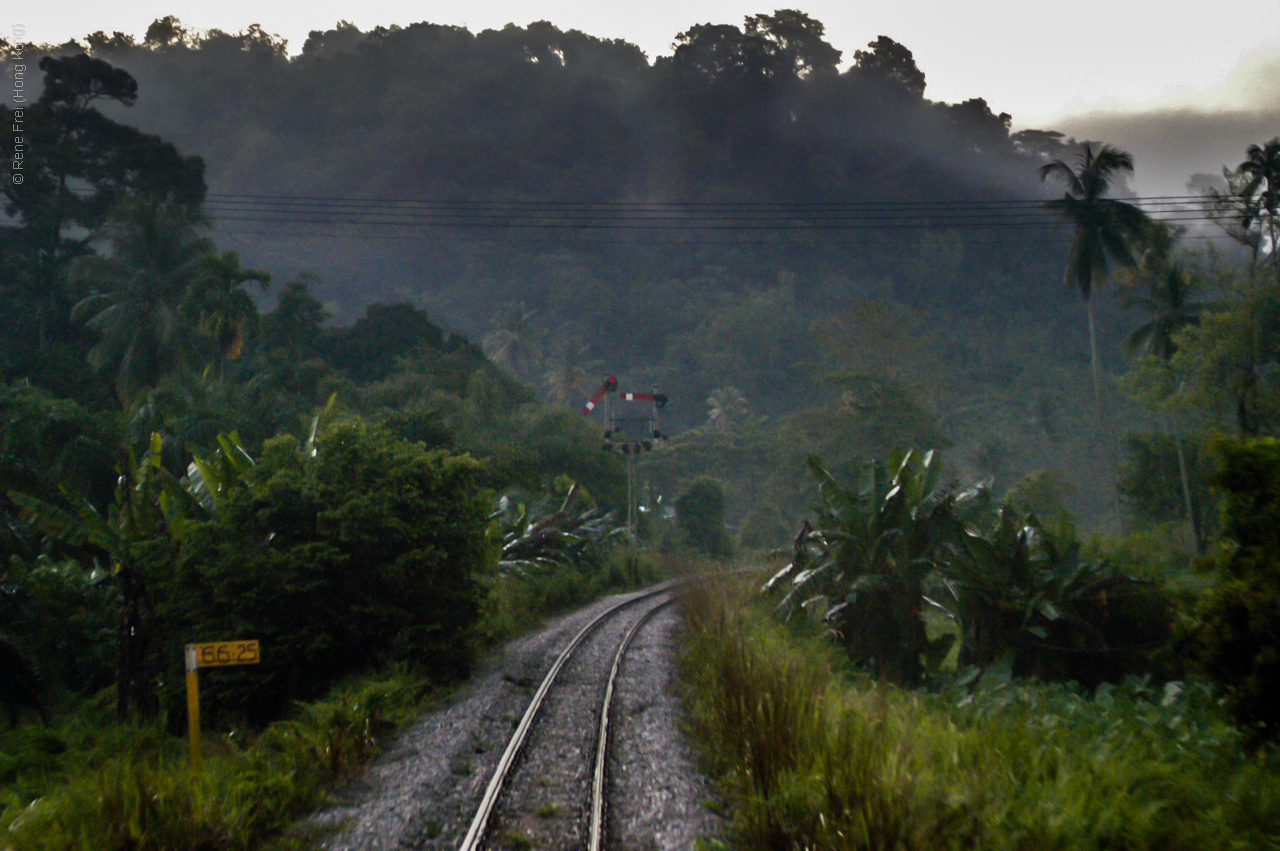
(624, 221)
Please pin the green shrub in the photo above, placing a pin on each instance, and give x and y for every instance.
(700, 515)
(66, 617)
(1240, 617)
(366, 551)
(515, 603)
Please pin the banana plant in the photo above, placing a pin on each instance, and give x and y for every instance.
(210, 477)
(537, 536)
(1021, 589)
(874, 551)
(148, 500)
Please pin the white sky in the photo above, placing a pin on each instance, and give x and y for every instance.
(1035, 60)
(1124, 71)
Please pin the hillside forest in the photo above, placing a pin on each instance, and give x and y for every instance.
(297, 345)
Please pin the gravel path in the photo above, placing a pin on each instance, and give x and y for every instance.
(421, 794)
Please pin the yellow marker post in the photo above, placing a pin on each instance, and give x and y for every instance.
(212, 655)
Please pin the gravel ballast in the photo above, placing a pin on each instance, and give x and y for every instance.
(422, 793)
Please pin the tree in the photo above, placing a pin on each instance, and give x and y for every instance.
(723, 53)
(890, 62)
(799, 39)
(346, 551)
(725, 405)
(700, 515)
(216, 299)
(165, 32)
(1228, 363)
(146, 503)
(157, 253)
(1240, 616)
(869, 558)
(47, 443)
(513, 343)
(1262, 189)
(1170, 308)
(562, 528)
(1106, 230)
(878, 554)
(566, 378)
(295, 325)
(67, 144)
(1161, 482)
(370, 349)
(1234, 210)
(729, 86)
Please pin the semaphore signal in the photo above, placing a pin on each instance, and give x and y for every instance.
(629, 433)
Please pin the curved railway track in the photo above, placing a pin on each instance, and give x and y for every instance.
(549, 787)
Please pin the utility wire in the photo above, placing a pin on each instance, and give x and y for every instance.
(684, 204)
(522, 220)
(564, 238)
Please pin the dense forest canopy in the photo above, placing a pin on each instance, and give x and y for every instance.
(742, 216)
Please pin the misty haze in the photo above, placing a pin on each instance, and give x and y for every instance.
(384, 352)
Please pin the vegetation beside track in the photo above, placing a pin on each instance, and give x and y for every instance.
(90, 783)
(811, 754)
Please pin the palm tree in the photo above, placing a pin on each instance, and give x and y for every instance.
(513, 343)
(1105, 229)
(1170, 308)
(219, 304)
(724, 405)
(1262, 168)
(156, 254)
(566, 379)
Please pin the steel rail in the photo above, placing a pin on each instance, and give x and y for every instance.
(602, 740)
(471, 842)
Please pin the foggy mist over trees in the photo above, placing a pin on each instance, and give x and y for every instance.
(724, 219)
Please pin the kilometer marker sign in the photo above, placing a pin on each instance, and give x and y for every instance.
(215, 654)
(219, 653)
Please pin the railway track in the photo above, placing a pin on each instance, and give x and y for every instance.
(549, 787)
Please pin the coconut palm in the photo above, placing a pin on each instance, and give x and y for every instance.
(221, 307)
(513, 343)
(566, 378)
(1106, 230)
(1170, 308)
(1236, 213)
(725, 405)
(156, 252)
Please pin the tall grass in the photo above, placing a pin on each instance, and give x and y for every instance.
(91, 785)
(815, 758)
